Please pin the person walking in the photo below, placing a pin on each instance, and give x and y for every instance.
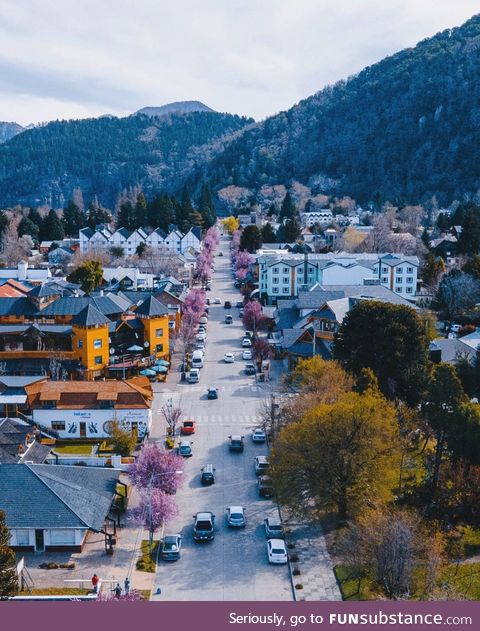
(126, 585)
(118, 590)
(95, 580)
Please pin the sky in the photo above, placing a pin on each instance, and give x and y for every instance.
(79, 58)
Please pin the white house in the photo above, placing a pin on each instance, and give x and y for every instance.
(192, 239)
(323, 217)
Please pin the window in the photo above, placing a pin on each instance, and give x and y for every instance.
(275, 270)
(410, 279)
(375, 270)
(171, 324)
(384, 270)
(409, 270)
(97, 343)
(80, 343)
(275, 290)
(286, 290)
(23, 538)
(409, 290)
(310, 270)
(286, 280)
(398, 289)
(59, 426)
(275, 280)
(384, 279)
(399, 271)
(98, 360)
(159, 348)
(285, 270)
(159, 333)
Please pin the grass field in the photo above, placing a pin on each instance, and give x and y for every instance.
(80, 449)
(56, 591)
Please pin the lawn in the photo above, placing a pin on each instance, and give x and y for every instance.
(81, 449)
(56, 591)
(147, 562)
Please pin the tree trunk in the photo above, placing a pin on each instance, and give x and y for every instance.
(437, 462)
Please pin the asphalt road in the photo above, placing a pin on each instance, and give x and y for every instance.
(234, 566)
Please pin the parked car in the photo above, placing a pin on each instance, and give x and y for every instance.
(236, 443)
(208, 288)
(261, 465)
(200, 346)
(228, 319)
(204, 526)
(248, 334)
(203, 320)
(193, 375)
(247, 354)
(212, 393)
(201, 337)
(220, 254)
(171, 547)
(241, 312)
(239, 304)
(188, 427)
(229, 358)
(265, 486)
(237, 284)
(227, 304)
(208, 475)
(246, 342)
(258, 435)
(236, 516)
(217, 301)
(201, 329)
(273, 528)
(277, 551)
(250, 369)
(207, 301)
(185, 449)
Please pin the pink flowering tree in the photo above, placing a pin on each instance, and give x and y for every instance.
(243, 261)
(155, 508)
(195, 303)
(253, 317)
(156, 468)
(262, 350)
(211, 239)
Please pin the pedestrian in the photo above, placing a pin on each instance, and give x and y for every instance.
(95, 580)
(126, 584)
(118, 590)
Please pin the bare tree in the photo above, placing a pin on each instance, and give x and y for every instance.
(458, 291)
(172, 416)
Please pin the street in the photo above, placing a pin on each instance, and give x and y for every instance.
(234, 566)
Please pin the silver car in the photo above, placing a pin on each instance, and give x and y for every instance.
(273, 528)
(171, 547)
(236, 516)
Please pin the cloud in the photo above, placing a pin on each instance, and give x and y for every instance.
(255, 57)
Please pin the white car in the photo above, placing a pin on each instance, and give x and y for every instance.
(247, 354)
(229, 358)
(193, 376)
(246, 342)
(217, 301)
(236, 516)
(277, 551)
(201, 337)
(203, 320)
(258, 435)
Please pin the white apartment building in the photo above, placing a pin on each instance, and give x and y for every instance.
(102, 238)
(282, 275)
(322, 217)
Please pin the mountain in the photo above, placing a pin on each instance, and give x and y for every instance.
(179, 107)
(9, 130)
(104, 155)
(406, 128)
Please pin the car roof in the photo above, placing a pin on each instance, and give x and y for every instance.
(259, 429)
(276, 542)
(261, 458)
(235, 509)
(184, 443)
(265, 478)
(236, 437)
(274, 521)
(213, 388)
(171, 538)
(204, 515)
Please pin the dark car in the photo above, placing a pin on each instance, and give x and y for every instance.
(208, 475)
(212, 393)
(239, 304)
(227, 304)
(265, 486)
(171, 547)
(237, 284)
(250, 369)
(228, 319)
(204, 526)
(236, 443)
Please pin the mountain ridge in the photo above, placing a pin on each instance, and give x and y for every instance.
(176, 107)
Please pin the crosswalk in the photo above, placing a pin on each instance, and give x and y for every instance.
(200, 388)
(226, 420)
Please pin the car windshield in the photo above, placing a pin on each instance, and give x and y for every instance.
(204, 525)
(278, 551)
(236, 515)
(188, 424)
(275, 527)
(185, 448)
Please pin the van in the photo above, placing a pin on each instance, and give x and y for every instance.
(197, 362)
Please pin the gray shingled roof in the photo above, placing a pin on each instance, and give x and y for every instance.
(108, 305)
(56, 496)
(90, 316)
(16, 306)
(151, 307)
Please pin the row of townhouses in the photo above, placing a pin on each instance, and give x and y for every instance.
(102, 238)
(283, 275)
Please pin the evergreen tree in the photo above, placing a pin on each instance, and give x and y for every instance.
(443, 223)
(272, 210)
(97, 215)
(51, 228)
(74, 219)
(268, 233)
(161, 212)
(35, 216)
(288, 210)
(141, 215)
(195, 218)
(251, 239)
(3, 222)
(426, 239)
(291, 230)
(184, 209)
(26, 226)
(126, 217)
(469, 239)
(8, 563)
(206, 206)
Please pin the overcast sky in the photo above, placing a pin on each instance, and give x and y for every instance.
(77, 58)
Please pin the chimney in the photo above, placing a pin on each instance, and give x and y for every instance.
(22, 270)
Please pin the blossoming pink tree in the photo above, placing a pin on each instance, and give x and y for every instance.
(156, 468)
(155, 508)
(253, 317)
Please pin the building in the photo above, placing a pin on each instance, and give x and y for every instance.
(283, 275)
(128, 278)
(88, 409)
(51, 508)
(23, 272)
(20, 442)
(102, 238)
(13, 396)
(322, 217)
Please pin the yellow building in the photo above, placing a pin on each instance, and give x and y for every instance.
(90, 341)
(154, 317)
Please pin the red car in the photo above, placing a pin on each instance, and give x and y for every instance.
(188, 427)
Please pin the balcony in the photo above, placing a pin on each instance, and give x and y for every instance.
(26, 354)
